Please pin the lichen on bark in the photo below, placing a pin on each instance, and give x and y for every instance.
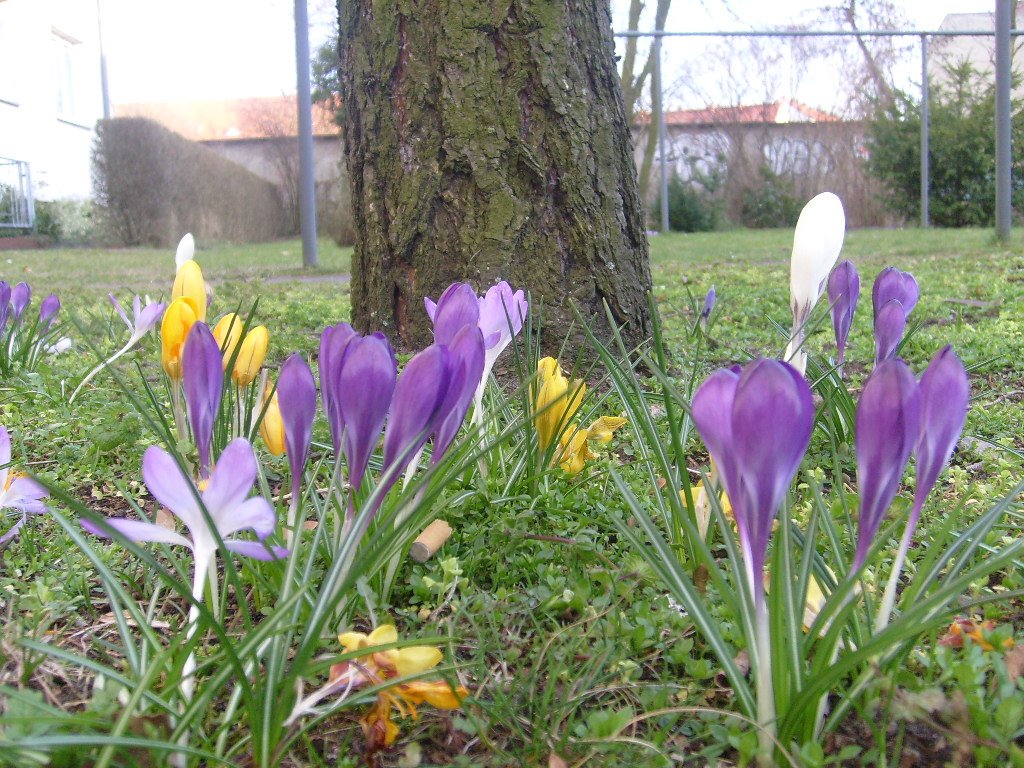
(486, 141)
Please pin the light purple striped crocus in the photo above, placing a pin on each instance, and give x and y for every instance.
(756, 422)
(203, 377)
(296, 393)
(888, 419)
(843, 295)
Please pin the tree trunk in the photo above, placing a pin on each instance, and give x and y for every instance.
(486, 141)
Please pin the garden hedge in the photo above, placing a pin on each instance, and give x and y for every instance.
(153, 185)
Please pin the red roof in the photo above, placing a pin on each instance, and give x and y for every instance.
(775, 112)
(254, 118)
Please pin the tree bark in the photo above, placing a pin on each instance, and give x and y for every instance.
(487, 140)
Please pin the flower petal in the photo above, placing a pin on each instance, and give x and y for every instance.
(255, 513)
(231, 480)
(257, 550)
(171, 487)
(138, 531)
(416, 658)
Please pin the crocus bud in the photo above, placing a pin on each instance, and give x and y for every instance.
(228, 333)
(298, 389)
(457, 307)
(203, 378)
(816, 244)
(5, 303)
(890, 322)
(21, 295)
(189, 282)
(891, 283)
(333, 343)
(419, 394)
(888, 418)
(251, 355)
(186, 251)
(555, 401)
(709, 305)
(48, 310)
(757, 425)
(843, 294)
(272, 427)
(178, 319)
(365, 383)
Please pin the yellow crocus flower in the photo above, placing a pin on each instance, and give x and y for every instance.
(555, 401)
(272, 427)
(376, 667)
(228, 333)
(251, 355)
(188, 282)
(178, 319)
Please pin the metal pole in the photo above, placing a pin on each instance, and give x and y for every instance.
(662, 160)
(104, 85)
(307, 191)
(1003, 160)
(925, 170)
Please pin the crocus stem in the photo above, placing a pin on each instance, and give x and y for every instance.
(293, 511)
(89, 376)
(188, 682)
(889, 597)
(179, 411)
(478, 423)
(410, 471)
(765, 690)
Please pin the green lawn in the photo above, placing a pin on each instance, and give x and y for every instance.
(562, 630)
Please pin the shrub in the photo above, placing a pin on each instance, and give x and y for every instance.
(961, 150)
(70, 222)
(771, 204)
(152, 185)
(692, 203)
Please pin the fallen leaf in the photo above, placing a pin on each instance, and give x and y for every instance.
(554, 761)
(165, 519)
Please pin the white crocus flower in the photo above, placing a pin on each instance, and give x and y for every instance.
(816, 245)
(186, 250)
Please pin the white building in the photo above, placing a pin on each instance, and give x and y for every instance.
(979, 52)
(50, 94)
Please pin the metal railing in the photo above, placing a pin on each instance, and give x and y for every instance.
(1002, 35)
(17, 208)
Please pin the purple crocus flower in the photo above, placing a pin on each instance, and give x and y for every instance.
(363, 384)
(419, 395)
(20, 493)
(467, 366)
(21, 295)
(457, 307)
(890, 322)
(203, 376)
(5, 304)
(333, 343)
(944, 397)
(296, 392)
(843, 294)
(48, 310)
(225, 499)
(709, 305)
(756, 423)
(145, 318)
(888, 419)
(891, 283)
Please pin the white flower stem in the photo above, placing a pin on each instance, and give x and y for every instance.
(89, 376)
(188, 682)
(765, 688)
(889, 596)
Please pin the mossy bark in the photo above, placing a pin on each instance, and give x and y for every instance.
(487, 140)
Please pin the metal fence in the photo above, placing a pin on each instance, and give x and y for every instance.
(806, 145)
(17, 208)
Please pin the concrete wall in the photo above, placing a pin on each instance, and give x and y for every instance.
(50, 93)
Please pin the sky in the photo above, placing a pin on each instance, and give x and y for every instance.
(211, 49)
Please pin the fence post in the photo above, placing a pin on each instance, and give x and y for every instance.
(656, 84)
(925, 170)
(1003, 159)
